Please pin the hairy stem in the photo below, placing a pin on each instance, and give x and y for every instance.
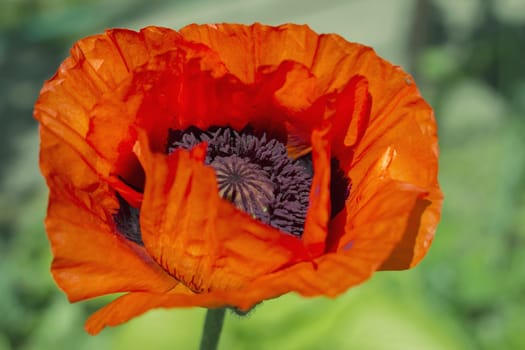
(212, 329)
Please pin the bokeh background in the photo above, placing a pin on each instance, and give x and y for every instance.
(468, 58)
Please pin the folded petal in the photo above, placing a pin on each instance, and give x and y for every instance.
(398, 116)
(90, 96)
(90, 257)
(128, 306)
(136, 303)
(318, 215)
(353, 260)
(187, 227)
(351, 117)
(105, 119)
(282, 100)
(378, 212)
(260, 45)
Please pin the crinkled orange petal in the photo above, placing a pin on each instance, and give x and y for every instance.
(295, 45)
(319, 93)
(108, 63)
(378, 215)
(281, 101)
(399, 117)
(352, 113)
(95, 68)
(187, 228)
(260, 45)
(136, 303)
(85, 99)
(318, 214)
(380, 212)
(187, 95)
(90, 258)
(398, 113)
(116, 114)
(128, 306)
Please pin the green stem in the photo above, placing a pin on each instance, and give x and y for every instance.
(212, 329)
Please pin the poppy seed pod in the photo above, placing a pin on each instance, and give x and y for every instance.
(222, 165)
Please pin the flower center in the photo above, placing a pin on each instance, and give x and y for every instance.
(244, 184)
(255, 173)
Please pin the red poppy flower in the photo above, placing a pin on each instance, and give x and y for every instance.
(223, 165)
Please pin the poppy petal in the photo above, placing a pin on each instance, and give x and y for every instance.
(398, 113)
(105, 118)
(282, 98)
(133, 304)
(87, 97)
(356, 258)
(318, 215)
(398, 116)
(350, 120)
(180, 187)
(257, 43)
(124, 308)
(379, 212)
(117, 111)
(78, 229)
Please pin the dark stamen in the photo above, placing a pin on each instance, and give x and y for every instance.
(255, 173)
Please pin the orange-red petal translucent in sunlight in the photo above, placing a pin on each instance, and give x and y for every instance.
(222, 165)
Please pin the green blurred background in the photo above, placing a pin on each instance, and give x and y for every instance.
(469, 293)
